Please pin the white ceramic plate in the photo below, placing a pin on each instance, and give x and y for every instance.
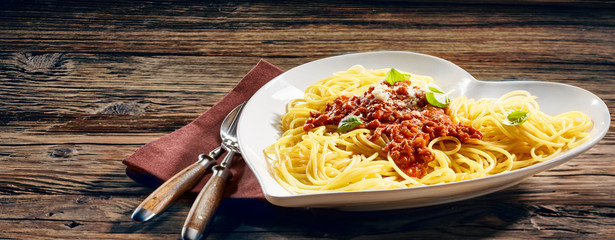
(259, 127)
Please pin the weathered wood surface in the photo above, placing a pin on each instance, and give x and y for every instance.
(84, 84)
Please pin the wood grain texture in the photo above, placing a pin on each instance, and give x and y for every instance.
(83, 84)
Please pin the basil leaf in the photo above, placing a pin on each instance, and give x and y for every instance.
(433, 88)
(440, 100)
(435, 96)
(394, 76)
(516, 118)
(348, 123)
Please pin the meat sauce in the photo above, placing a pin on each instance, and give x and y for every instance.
(402, 113)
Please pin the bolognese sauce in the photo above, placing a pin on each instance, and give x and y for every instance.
(402, 113)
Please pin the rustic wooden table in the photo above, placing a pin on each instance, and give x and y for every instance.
(83, 84)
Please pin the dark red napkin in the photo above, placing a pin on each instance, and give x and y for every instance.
(157, 161)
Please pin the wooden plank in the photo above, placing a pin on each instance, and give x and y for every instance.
(165, 86)
(67, 215)
(314, 30)
(485, 44)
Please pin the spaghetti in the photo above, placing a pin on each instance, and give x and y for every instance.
(381, 151)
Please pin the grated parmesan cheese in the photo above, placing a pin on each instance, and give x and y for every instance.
(380, 92)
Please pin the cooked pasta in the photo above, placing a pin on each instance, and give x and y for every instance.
(474, 143)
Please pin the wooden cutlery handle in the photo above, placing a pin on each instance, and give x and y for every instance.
(172, 189)
(204, 207)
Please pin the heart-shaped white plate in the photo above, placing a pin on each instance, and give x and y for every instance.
(259, 127)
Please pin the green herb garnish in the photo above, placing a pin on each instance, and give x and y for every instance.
(435, 96)
(516, 118)
(433, 88)
(394, 76)
(348, 123)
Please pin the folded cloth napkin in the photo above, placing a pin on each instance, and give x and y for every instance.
(157, 161)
